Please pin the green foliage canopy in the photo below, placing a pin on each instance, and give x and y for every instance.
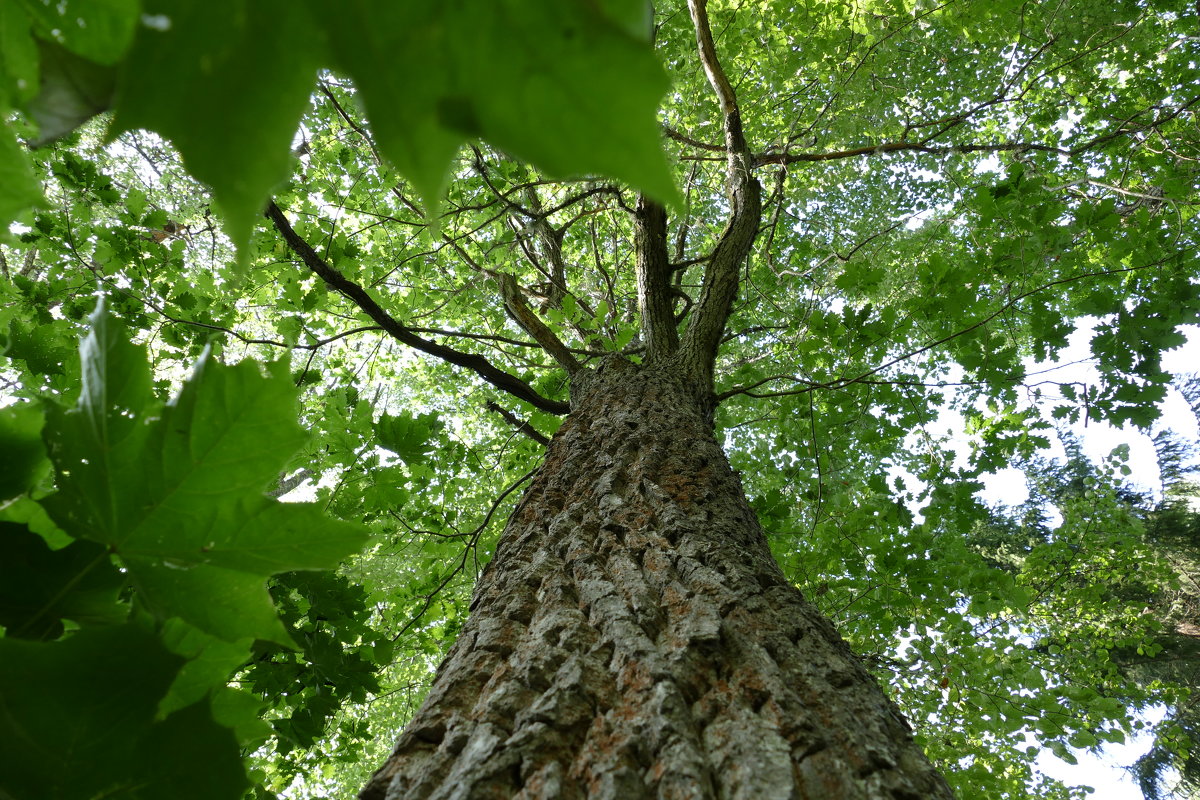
(949, 189)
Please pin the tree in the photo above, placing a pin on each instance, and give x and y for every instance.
(1163, 534)
(868, 217)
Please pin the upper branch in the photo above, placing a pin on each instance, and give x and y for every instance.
(761, 159)
(523, 315)
(551, 239)
(654, 290)
(837, 383)
(397, 330)
(699, 348)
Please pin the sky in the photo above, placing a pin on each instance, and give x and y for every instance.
(1105, 772)
(1097, 438)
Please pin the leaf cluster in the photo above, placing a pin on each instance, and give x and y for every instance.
(137, 541)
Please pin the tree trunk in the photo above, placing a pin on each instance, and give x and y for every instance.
(633, 637)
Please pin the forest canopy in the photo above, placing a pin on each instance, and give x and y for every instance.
(357, 256)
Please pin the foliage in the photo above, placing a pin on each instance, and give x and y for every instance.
(147, 584)
(1148, 569)
(950, 190)
(180, 70)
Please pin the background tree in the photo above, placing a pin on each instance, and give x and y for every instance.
(1064, 494)
(946, 188)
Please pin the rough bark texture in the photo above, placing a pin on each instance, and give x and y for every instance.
(654, 280)
(633, 637)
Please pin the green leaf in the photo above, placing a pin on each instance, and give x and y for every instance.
(18, 56)
(241, 711)
(71, 91)
(77, 723)
(211, 662)
(636, 17)
(406, 435)
(21, 444)
(226, 82)
(230, 604)
(98, 30)
(178, 496)
(213, 769)
(40, 587)
(586, 103)
(18, 83)
(38, 346)
(32, 515)
(93, 442)
(21, 189)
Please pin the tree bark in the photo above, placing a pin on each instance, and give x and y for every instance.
(634, 637)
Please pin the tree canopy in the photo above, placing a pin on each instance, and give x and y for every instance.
(459, 198)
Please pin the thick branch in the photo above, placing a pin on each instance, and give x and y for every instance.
(285, 485)
(401, 333)
(523, 315)
(654, 289)
(699, 347)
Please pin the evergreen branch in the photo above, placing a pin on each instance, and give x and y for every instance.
(401, 333)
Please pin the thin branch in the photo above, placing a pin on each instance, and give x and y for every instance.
(923, 146)
(286, 485)
(473, 537)
(838, 383)
(248, 339)
(490, 337)
(685, 139)
(762, 159)
(398, 331)
(520, 425)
